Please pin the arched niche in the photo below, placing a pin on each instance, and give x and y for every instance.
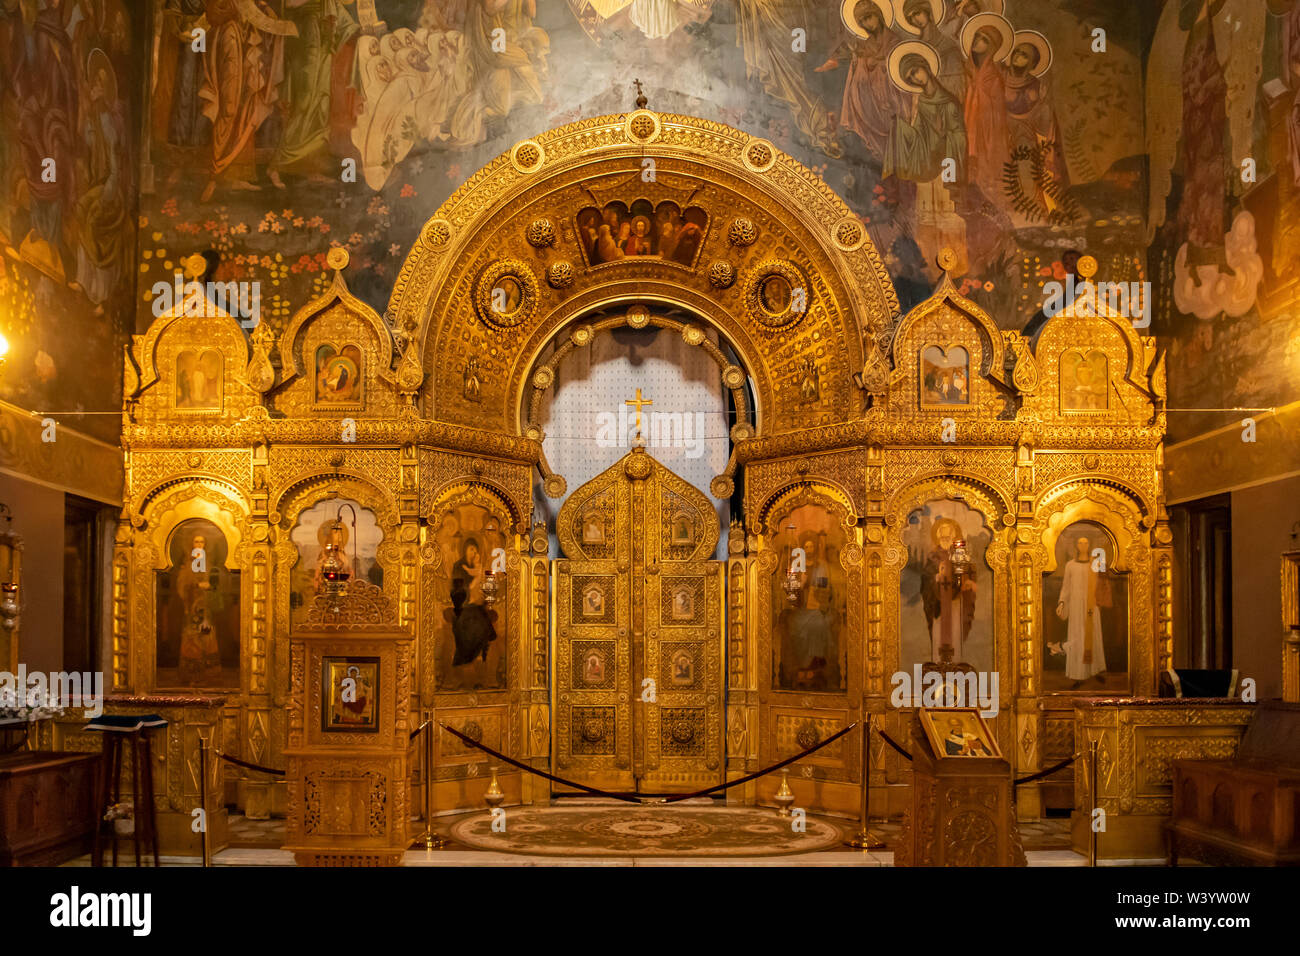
(191, 365)
(369, 541)
(936, 615)
(1094, 613)
(470, 632)
(948, 360)
(189, 553)
(514, 229)
(338, 358)
(1095, 367)
(730, 371)
(809, 592)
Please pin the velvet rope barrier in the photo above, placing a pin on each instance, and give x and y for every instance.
(1046, 773)
(251, 766)
(890, 740)
(758, 773)
(659, 798)
(464, 738)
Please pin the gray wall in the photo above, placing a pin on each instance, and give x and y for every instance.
(38, 518)
(1262, 518)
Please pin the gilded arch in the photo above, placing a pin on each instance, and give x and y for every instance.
(767, 214)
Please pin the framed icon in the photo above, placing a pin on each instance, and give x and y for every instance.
(682, 530)
(593, 529)
(958, 732)
(683, 604)
(682, 669)
(593, 668)
(593, 601)
(350, 695)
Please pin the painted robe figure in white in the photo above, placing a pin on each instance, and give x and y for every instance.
(1084, 592)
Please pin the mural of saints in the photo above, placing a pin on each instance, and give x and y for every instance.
(1031, 124)
(871, 100)
(198, 610)
(924, 19)
(242, 74)
(987, 40)
(928, 137)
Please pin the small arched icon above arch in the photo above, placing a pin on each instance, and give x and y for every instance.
(949, 358)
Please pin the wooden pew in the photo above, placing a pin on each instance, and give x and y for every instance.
(1243, 811)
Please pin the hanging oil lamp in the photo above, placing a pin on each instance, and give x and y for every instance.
(793, 583)
(960, 560)
(9, 606)
(491, 587)
(335, 574)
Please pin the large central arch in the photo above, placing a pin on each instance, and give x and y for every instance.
(772, 237)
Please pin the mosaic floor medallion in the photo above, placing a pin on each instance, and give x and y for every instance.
(646, 831)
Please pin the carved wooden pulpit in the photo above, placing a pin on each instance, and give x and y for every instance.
(962, 812)
(349, 728)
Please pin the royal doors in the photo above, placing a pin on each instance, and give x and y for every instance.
(639, 682)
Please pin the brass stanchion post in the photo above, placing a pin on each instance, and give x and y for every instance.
(432, 840)
(865, 839)
(1092, 788)
(203, 800)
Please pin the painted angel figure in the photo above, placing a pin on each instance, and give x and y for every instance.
(1201, 80)
(654, 18)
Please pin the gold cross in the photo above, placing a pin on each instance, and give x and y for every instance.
(638, 402)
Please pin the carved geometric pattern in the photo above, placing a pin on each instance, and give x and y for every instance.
(682, 731)
(1159, 753)
(593, 731)
(329, 800)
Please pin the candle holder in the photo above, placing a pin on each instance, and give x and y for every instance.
(784, 796)
(961, 563)
(491, 588)
(335, 574)
(9, 606)
(494, 796)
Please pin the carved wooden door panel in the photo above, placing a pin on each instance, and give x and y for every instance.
(639, 681)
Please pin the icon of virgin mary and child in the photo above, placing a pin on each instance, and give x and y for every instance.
(472, 622)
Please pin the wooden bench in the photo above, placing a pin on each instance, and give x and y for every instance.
(1243, 811)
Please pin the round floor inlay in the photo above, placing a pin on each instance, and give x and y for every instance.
(633, 830)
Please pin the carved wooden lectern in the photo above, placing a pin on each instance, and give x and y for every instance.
(350, 676)
(961, 812)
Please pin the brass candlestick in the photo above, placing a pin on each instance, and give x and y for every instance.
(785, 796)
(864, 839)
(493, 796)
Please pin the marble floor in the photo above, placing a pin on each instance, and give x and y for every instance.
(257, 842)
